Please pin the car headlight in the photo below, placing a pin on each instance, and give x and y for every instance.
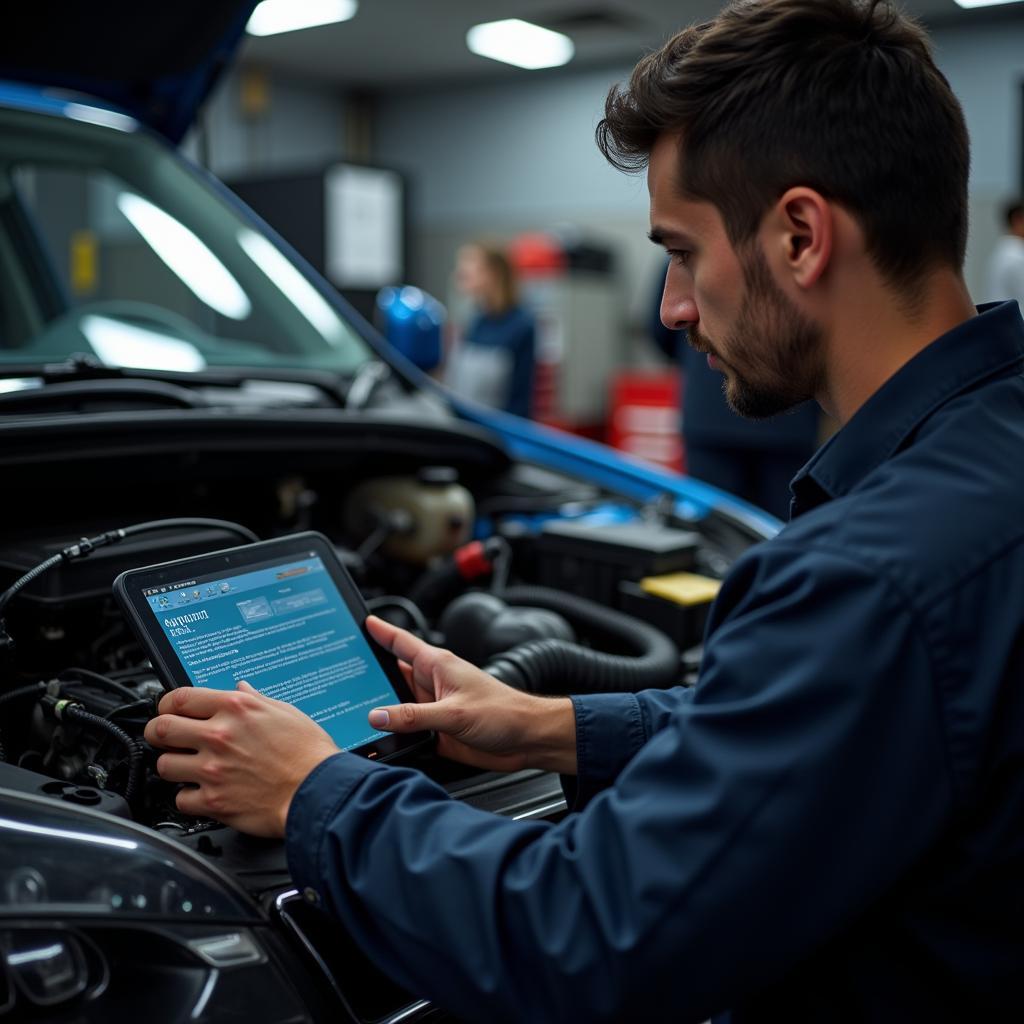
(115, 922)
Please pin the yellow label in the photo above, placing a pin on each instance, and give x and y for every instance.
(684, 588)
(253, 92)
(85, 263)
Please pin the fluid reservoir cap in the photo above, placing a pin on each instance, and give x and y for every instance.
(82, 795)
(438, 476)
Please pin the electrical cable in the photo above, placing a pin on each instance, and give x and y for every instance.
(66, 710)
(136, 705)
(86, 545)
(110, 685)
(193, 523)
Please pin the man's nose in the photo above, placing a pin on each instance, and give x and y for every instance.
(678, 309)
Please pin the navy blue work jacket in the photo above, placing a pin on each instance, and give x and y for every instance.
(828, 827)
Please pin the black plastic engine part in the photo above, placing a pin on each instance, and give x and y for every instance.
(23, 781)
(557, 666)
(593, 560)
(477, 626)
(684, 623)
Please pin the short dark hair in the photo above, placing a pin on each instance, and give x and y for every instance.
(842, 96)
(1012, 211)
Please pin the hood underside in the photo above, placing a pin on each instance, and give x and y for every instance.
(157, 62)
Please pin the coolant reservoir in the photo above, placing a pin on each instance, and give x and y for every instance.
(436, 509)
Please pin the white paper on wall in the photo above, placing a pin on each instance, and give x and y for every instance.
(363, 209)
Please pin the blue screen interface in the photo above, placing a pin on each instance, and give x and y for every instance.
(284, 628)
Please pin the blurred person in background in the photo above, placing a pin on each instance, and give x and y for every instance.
(1006, 268)
(492, 362)
(753, 459)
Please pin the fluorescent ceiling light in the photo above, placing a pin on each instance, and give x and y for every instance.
(520, 43)
(274, 16)
(187, 256)
(985, 3)
(310, 303)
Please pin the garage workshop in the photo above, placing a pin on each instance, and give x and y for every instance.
(512, 512)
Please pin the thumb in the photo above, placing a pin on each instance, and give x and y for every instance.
(433, 717)
(245, 687)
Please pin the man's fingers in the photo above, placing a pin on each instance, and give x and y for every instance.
(193, 701)
(436, 716)
(399, 642)
(177, 767)
(174, 732)
(191, 801)
(421, 691)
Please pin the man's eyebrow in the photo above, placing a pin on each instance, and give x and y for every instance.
(666, 237)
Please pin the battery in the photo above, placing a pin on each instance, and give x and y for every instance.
(593, 560)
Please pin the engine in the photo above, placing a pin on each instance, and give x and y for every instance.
(497, 578)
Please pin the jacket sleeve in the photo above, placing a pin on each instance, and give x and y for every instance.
(748, 823)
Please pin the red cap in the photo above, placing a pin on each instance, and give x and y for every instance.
(471, 560)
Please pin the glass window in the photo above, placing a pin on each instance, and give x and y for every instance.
(110, 246)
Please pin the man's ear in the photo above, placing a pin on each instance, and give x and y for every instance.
(803, 226)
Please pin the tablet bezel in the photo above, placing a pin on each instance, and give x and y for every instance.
(129, 586)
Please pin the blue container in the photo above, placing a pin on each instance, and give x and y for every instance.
(412, 322)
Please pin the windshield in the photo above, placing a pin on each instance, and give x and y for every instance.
(109, 246)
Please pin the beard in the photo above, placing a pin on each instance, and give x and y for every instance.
(780, 350)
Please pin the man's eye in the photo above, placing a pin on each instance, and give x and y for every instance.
(681, 257)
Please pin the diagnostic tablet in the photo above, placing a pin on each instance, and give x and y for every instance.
(285, 616)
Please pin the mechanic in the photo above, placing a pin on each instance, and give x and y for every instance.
(830, 825)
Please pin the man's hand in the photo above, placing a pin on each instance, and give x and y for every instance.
(479, 720)
(244, 753)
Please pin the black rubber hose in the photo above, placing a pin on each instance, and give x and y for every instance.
(439, 584)
(135, 752)
(436, 586)
(558, 666)
(21, 691)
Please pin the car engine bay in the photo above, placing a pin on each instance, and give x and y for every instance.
(444, 534)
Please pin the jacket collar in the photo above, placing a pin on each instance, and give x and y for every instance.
(987, 345)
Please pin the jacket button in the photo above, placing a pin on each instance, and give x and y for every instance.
(310, 895)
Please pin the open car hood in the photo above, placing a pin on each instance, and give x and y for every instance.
(157, 62)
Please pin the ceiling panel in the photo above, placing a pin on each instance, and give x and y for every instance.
(400, 44)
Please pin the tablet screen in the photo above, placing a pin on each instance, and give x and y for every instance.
(283, 627)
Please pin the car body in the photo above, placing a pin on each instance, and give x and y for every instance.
(226, 380)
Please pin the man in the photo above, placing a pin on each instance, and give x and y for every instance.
(830, 825)
(1006, 268)
(752, 459)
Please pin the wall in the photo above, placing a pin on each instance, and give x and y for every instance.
(985, 67)
(302, 127)
(501, 159)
